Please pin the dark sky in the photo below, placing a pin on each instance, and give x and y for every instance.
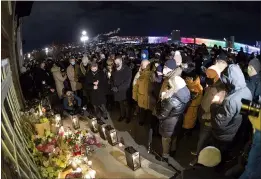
(64, 21)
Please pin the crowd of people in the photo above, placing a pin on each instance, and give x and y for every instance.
(173, 90)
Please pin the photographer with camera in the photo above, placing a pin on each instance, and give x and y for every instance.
(252, 169)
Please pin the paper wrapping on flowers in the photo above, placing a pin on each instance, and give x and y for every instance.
(56, 154)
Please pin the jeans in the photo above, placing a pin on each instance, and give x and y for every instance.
(124, 109)
(168, 144)
(100, 111)
(252, 170)
(204, 137)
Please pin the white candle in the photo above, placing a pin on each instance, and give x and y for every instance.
(87, 176)
(89, 163)
(92, 173)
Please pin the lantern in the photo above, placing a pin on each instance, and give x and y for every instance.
(94, 125)
(132, 158)
(75, 122)
(111, 135)
(58, 120)
(101, 129)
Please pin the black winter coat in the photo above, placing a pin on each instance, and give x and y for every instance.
(122, 80)
(41, 75)
(97, 96)
(170, 111)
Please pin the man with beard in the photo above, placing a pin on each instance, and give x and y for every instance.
(96, 84)
(121, 81)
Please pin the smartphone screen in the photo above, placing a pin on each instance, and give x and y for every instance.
(144, 55)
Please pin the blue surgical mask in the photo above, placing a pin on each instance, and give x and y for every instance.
(72, 63)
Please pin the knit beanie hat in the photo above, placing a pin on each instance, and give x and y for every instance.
(171, 64)
(209, 156)
(178, 58)
(213, 72)
(255, 63)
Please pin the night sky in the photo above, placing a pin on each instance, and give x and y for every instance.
(64, 21)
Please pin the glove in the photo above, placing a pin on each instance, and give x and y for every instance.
(114, 89)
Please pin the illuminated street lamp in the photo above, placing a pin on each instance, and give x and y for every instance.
(84, 38)
(46, 51)
(84, 32)
(29, 55)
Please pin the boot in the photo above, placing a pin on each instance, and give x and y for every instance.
(149, 148)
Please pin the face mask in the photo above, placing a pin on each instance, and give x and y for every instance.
(210, 81)
(72, 63)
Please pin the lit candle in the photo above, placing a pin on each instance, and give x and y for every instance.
(89, 163)
(74, 165)
(78, 170)
(92, 173)
(85, 159)
(87, 176)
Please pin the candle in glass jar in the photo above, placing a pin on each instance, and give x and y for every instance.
(74, 165)
(89, 163)
(92, 173)
(87, 176)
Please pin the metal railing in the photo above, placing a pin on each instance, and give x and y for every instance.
(14, 144)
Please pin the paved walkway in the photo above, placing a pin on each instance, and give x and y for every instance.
(110, 162)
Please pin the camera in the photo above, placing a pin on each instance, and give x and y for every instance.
(250, 108)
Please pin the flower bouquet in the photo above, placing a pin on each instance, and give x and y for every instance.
(47, 143)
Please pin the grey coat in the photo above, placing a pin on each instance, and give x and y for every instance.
(226, 118)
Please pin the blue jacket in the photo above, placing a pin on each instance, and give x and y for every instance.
(254, 85)
(76, 99)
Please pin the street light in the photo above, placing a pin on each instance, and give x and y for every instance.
(29, 55)
(84, 38)
(84, 32)
(46, 51)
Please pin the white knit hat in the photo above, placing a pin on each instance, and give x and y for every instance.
(209, 156)
(178, 58)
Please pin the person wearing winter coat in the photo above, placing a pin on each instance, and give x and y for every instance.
(121, 82)
(140, 91)
(206, 167)
(83, 70)
(214, 87)
(96, 83)
(196, 91)
(72, 103)
(170, 109)
(226, 118)
(254, 82)
(170, 69)
(59, 79)
(254, 157)
(41, 79)
(72, 73)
